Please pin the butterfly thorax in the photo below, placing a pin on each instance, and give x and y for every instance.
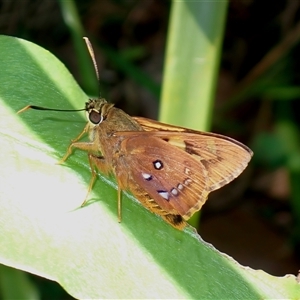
(105, 121)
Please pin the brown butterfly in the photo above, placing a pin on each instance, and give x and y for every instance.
(169, 169)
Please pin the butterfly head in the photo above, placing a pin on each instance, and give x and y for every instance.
(97, 110)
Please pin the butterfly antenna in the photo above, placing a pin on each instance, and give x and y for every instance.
(92, 54)
(45, 108)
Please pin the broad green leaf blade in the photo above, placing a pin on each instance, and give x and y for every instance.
(192, 62)
(15, 284)
(43, 230)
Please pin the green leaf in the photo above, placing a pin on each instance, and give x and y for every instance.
(192, 62)
(43, 230)
(15, 284)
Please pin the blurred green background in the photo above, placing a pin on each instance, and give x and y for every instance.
(256, 219)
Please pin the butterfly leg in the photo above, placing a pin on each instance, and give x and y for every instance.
(99, 163)
(93, 178)
(74, 144)
(96, 163)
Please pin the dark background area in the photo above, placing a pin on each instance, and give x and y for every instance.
(256, 218)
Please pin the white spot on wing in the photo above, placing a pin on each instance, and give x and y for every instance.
(157, 164)
(174, 191)
(146, 176)
(180, 186)
(187, 171)
(188, 181)
(164, 194)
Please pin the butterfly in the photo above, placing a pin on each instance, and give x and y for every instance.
(171, 170)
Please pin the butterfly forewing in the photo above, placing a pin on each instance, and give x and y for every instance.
(152, 125)
(178, 184)
(223, 157)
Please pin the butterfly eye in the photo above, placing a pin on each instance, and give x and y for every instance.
(95, 117)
